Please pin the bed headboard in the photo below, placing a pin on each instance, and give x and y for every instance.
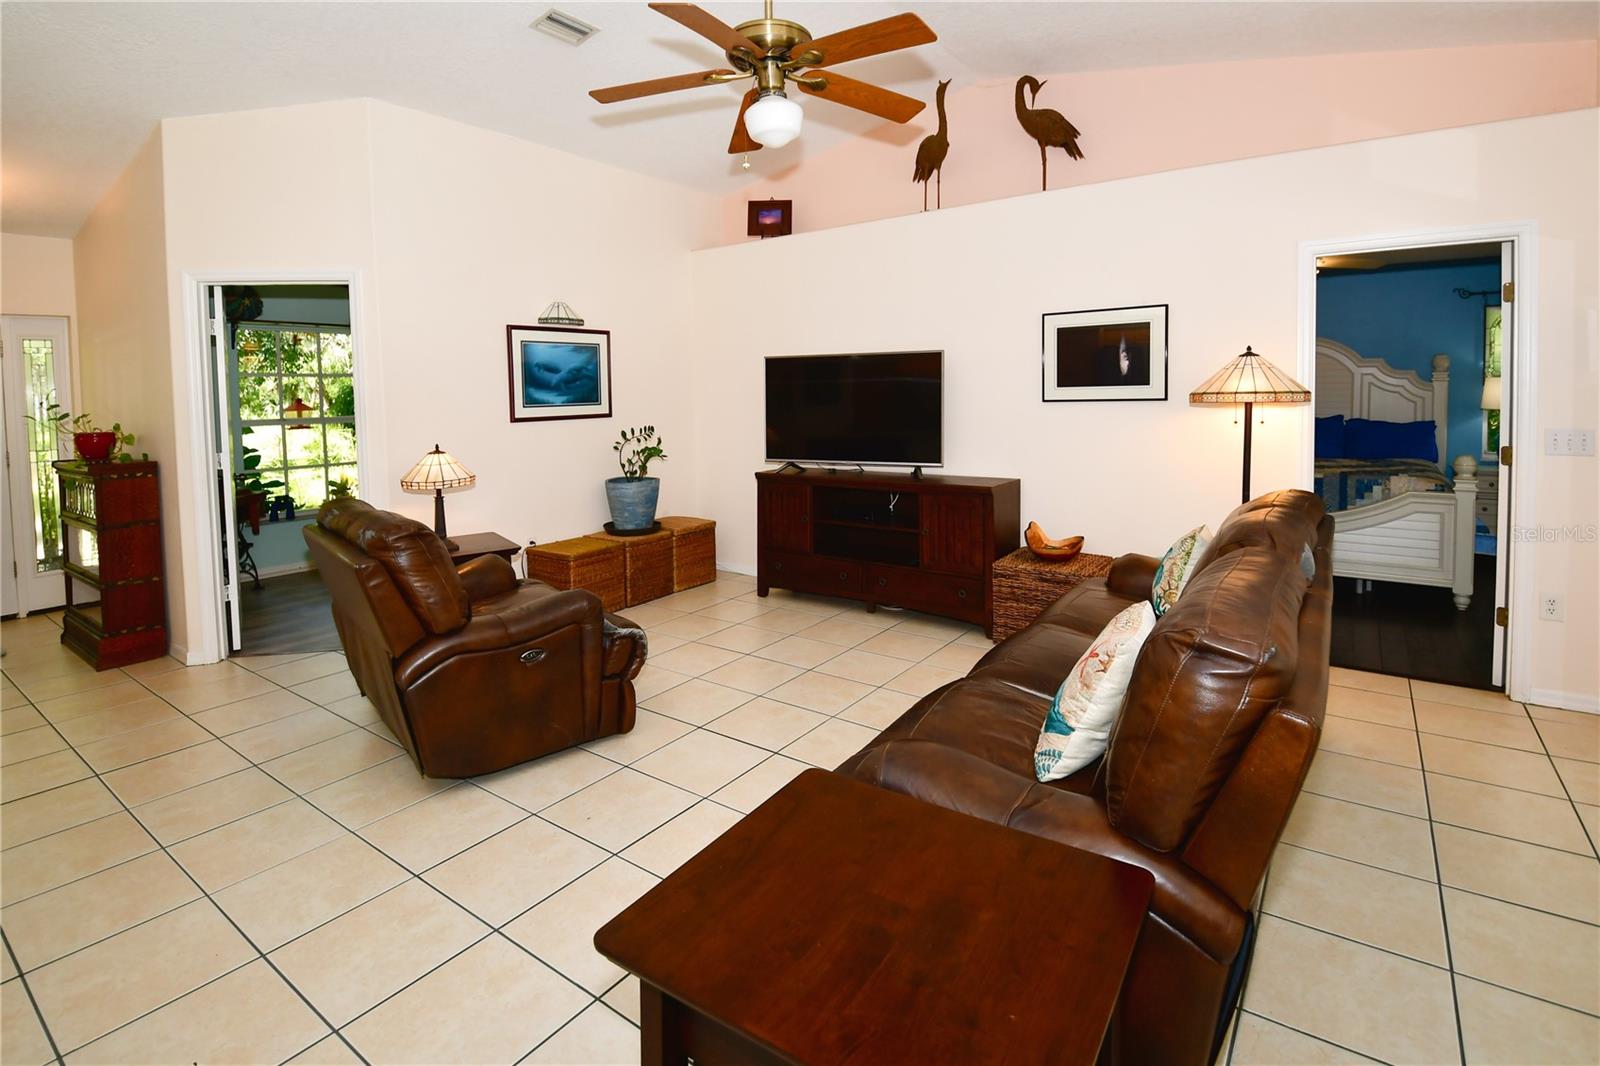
(1350, 384)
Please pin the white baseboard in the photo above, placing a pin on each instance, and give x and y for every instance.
(732, 569)
(1570, 701)
(286, 568)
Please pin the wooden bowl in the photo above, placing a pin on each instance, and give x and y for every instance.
(1044, 547)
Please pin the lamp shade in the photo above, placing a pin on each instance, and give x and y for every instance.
(1248, 378)
(437, 470)
(1492, 396)
(773, 120)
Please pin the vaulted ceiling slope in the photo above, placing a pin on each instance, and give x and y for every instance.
(83, 84)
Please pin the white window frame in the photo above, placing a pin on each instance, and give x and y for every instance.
(239, 420)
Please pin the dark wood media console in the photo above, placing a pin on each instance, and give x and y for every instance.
(923, 543)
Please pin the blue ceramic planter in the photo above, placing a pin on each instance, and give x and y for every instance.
(633, 503)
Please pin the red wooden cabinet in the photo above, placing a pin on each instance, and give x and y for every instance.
(111, 544)
(891, 539)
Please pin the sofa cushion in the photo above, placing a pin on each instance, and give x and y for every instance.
(1214, 665)
(1089, 605)
(1079, 720)
(1035, 660)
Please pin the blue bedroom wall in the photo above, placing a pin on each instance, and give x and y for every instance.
(1405, 315)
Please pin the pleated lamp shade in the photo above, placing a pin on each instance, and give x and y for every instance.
(1248, 378)
(437, 470)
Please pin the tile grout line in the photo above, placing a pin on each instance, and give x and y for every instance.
(22, 979)
(204, 894)
(1444, 912)
(767, 754)
(1594, 845)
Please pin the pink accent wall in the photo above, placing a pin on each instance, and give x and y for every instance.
(1144, 121)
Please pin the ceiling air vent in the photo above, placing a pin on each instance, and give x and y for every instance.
(564, 27)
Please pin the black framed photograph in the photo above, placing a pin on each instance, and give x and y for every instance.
(558, 372)
(770, 218)
(1112, 353)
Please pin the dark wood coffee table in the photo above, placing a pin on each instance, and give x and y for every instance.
(843, 923)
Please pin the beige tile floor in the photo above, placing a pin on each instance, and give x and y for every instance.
(234, 863)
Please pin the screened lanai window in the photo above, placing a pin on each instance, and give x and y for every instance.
(297, 400)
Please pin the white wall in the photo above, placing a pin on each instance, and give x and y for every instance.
(449, 233)
(476, 230)
(119, 260)
(36, 279)
(1218, 244)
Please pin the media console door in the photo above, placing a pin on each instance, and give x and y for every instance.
(925, 544)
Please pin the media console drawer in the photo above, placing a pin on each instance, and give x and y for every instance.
(925, 543)
(814, 573)
(921, 590)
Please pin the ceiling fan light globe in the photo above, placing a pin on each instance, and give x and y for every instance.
(773, 120)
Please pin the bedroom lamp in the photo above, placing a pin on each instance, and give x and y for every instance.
(1492, 396)
(435, 472)
(1250, 379)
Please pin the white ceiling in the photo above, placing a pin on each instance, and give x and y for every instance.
(82, 84)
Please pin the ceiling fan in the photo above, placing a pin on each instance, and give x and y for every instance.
(777, 52)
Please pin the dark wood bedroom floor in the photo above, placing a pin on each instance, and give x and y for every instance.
(1415, 631)
(288, 614)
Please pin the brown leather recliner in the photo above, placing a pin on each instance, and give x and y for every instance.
(473, 669)
(1222, 719)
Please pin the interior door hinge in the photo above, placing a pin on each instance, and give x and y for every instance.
(1505, 455)
(1502, 617)
(1508, 292)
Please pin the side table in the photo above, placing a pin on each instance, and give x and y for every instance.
(1024, 585)
(471, 545)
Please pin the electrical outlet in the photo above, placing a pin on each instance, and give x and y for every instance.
(1551, 608)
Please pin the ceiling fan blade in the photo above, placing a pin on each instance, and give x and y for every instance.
(742, 142)
(863, 97)
(869, 39)
(708, 26)
(616, 93)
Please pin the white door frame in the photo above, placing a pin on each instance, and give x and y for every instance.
(1524, 384)
(20, 532)
(207, 643)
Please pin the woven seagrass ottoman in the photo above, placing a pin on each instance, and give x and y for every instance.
(1024, 585)
(646, 564)
(581, 563)
(694, 550)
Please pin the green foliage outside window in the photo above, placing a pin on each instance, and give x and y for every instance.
(312, 452)
(1493, 341)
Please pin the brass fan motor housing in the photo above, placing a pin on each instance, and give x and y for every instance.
(779, 38)
(774, 35)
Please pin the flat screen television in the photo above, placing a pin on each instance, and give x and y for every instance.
(883, 408)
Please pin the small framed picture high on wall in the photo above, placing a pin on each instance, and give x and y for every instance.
(1114, 353)
(558, 372)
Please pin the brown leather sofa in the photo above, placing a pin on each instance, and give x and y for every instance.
(473, 669)
(1220, 725)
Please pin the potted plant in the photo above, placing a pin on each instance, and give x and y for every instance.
(632, 497)
(91, 443)
(250, 488)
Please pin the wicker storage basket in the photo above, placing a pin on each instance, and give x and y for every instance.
(647, 564)
(1024, 585)
(694, 551)
(581, 563)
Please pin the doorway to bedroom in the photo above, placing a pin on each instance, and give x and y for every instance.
(1412, 364)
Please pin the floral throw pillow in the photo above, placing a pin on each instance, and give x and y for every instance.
(1175, 568)
(1078, 726)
